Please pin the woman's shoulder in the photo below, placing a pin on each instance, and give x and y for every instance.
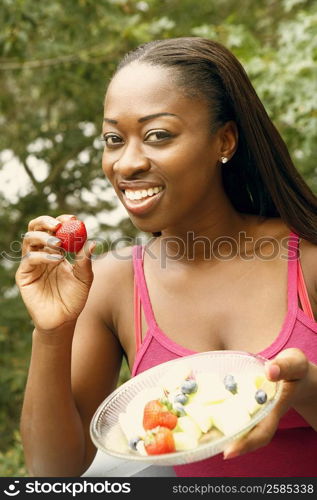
(276, 229)
(268, 227)
(112, 284)
(307, 255)
(115, 264)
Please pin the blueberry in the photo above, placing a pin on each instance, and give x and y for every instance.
(189, 386)
(260, 396)
(133, 443)
(181, 398)
(179, 408)
(230, 383)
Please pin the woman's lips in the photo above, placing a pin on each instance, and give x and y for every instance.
(142, 206)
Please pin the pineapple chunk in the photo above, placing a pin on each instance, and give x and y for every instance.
(116, 440)
(184, 441)
(210, 389)
(130, 426)
(248, 384)
(268, 386)
(229, 416)
(246, 389)
(200, 414)
(189, 426)
(174, 377)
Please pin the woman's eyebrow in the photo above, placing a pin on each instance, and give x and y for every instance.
(143, 119)
(108, 120)
(156, 115)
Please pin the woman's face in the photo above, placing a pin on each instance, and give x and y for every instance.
(160, 154)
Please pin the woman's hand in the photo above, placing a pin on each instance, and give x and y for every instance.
(299, 390)
(53, 290)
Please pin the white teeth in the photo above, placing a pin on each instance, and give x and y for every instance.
(144, 193)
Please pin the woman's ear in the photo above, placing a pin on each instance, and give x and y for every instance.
(229, 137)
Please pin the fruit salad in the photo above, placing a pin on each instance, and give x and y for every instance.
(189, 407)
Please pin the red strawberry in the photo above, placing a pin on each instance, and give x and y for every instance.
(156, 414)
(73, 235)
(159, 441)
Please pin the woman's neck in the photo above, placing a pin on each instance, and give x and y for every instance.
(196, 240)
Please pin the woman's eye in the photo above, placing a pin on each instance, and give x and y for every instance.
(112, 140)
(157, 136)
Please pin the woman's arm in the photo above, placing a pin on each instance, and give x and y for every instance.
(72, 370)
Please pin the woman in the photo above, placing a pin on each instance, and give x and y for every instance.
(195, 160)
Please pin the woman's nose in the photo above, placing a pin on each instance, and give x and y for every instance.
(131, 161)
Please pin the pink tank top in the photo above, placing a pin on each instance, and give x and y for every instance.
(293, 450)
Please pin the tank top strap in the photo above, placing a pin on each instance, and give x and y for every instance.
(296, 283)
(303, 294)
(137, 315)
(302, 289)
(293, 256)
(141, 295)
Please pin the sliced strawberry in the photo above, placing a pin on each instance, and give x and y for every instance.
(151, 414)
(167, 419)
(159, 441)
(72, 234)
(156, 414)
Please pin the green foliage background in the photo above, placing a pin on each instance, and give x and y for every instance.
(55, 60)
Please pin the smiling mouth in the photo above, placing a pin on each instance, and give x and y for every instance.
(142, 201)
(141, 194)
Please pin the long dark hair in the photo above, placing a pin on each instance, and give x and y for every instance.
(260, 178)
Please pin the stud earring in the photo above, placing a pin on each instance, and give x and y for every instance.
(224, 159)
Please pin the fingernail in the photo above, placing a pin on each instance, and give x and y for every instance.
(56, 257)
(230, 454)
(54, 241)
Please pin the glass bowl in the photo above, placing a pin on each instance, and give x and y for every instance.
(105, 430)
